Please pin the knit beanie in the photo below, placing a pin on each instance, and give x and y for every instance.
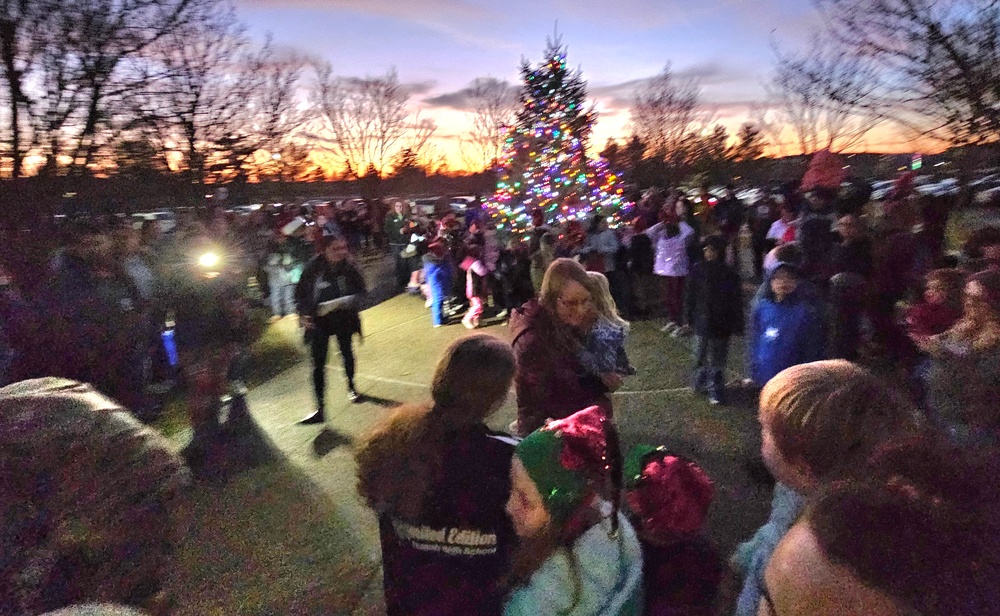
(567, 459)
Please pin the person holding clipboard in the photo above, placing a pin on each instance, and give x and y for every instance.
(328, 299)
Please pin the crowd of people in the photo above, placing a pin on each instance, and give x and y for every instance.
(876, 510)
(883, 502)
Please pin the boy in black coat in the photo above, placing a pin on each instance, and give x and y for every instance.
(714, 310)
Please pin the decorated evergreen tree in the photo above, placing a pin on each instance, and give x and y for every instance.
(545, 164)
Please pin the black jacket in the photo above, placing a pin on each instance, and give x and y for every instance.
(450, 561)
(322, 282)
(713, 304)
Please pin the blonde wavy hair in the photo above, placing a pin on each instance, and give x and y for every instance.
(831, 415)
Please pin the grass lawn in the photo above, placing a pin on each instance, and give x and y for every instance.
(273, 352)
(291, 536)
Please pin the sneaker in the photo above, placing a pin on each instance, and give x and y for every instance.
(714, 400)
(316, 417)
(669, 328)
(428, 303)
(680, 332)
(352, 395)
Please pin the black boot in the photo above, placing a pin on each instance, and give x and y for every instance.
(314, 418)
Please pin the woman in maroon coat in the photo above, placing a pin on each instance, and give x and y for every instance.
(548, 334)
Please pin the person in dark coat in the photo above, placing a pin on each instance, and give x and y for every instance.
(439, 480)
(730, 214)
(548, 333)
(853, 254)
(94, 317)
(714, 310)
(850, 268)
(205, 289)
(328, 298)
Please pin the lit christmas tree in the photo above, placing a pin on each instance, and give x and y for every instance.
(545, 164)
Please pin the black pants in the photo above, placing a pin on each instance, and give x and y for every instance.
(319, 344)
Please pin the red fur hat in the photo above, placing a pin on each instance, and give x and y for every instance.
(669, 494)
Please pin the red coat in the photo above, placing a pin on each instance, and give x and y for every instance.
(926, 319)
(550, 381)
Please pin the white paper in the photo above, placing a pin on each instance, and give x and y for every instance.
(325, 308)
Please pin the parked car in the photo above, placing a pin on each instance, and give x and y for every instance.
(988, 197)
(750, 196)
(245, 210)
(424, 206)
(460, 203)
(167, 221)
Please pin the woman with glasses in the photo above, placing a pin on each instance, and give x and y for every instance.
(548, 333)
(963, 384)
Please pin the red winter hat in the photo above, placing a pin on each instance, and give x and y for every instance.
(669, 494)
(826, 170)
(569, 459)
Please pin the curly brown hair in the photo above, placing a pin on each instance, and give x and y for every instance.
(400, 461)
(93, 502)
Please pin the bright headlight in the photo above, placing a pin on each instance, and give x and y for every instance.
(208, 259)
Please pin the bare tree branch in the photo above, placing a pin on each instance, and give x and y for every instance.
(366, 117)
(939, 61)
(665, 111)
(826, 96)
(494, 112)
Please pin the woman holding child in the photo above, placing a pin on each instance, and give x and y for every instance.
(549, 335)
(966, 406)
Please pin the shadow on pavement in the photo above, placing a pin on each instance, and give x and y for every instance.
(383, 402)
(236, 445)
(266, 539)
(328, 440)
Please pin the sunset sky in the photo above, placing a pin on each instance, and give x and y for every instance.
(440, 46)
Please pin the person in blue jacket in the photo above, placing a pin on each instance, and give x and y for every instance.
(786, 329)
(438, 272)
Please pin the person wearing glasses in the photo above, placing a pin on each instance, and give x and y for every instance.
(548, 333)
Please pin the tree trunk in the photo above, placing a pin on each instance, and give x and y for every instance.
(85, 147)
(8, 54)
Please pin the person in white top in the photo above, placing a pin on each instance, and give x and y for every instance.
(779, 231)
(670, 237)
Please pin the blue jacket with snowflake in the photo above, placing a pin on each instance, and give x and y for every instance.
(783, 334)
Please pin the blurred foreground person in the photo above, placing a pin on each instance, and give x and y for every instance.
(915, 533)
(90, 498)
(668, 497)
(438, 479)
(206, 293)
